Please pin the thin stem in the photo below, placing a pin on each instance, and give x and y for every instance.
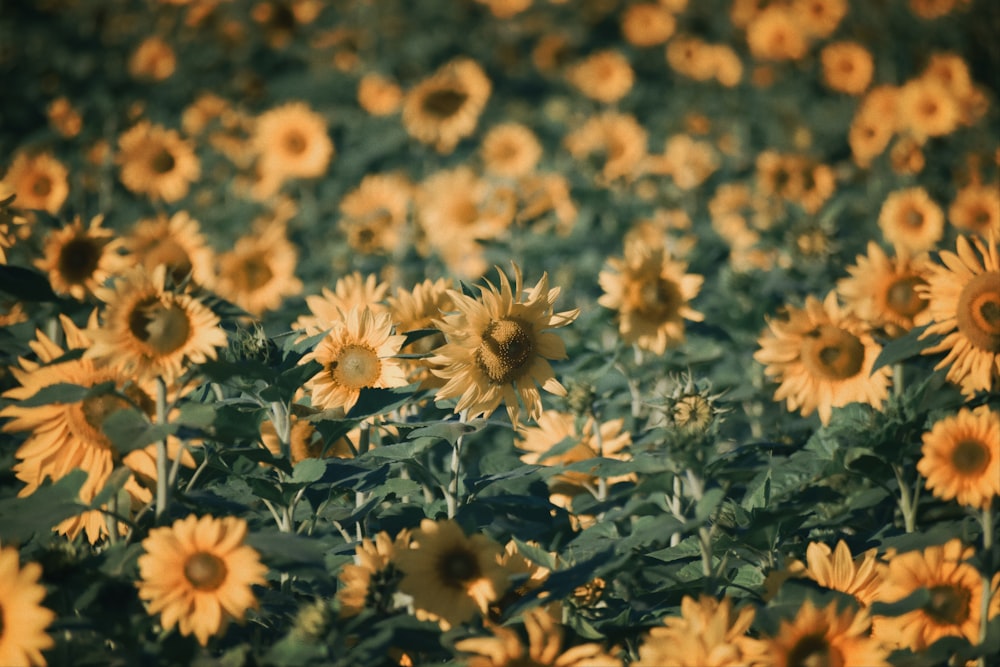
(279, 517)
(602, 482)
(897, 379)
(907, 503)
(985, 598)
(451, 494)
(282, 427)
(197, 473)
(162, 480)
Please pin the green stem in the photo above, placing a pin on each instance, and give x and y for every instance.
(162, 478)
(984, 610)
(907, 502)
(451, 493)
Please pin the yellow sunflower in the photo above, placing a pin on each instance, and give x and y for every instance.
(259, 272)
(544, 647)
(22, 633)
(647, 24)
(964, 296)
(149, 331)
(350, 291)
(374, 214)
(498, 348)
(955, 588)
(882, 290)
(650, 293)
(616, 137)
(847, 67)
(64, 118)
(927, 108)
(379, 95)
(370, 582)
(154, 60)
(707, 632)
(976, 209)
(291, 141)
(825, 636)
(873, 125)
(177, 243)
(605, 76)
(960, 457)
(838, 570)
(444, 108)
(157, 162)
(452, 577)
(822, 357)
(417, 309)
(38, 182)
(197, 575)
(775, 34)
(510, 150)
(79, 259)
(911, 220)
(819, 18)
(356, 354)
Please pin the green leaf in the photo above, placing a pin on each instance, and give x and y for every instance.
(129, 429)
(380, 401)
(448, 430)
(916, 600)
(50, 504)
(906, 346)
(283, 550)
(708, 503)
(64, 392)
(116, 481)
(308, 471)
(26, 284)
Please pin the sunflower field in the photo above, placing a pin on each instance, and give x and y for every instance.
(500, 333)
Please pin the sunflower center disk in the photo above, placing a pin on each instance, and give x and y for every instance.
(295, 143)
(163, 327)
(833, 353)
(970, 457)
(357, 366)
(458, 567)
(96, 409)
(254, 273)
(163, 162)
(913, 218)
(656, 300)
(205, 571)
(902, 297)
(814, 651)
(78, 260)
(42, 186)
(506, 348)
(444, 103)
(949, 605)
(978, 312)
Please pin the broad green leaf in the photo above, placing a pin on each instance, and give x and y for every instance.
(50, 504)
(116, 480)
(307, 471)
(128, 430)
(911, 344)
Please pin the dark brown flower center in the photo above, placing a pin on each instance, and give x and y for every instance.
(458, 567)
(970, 457)
(79, 259)
(98, 408)
(814, 651)
(657, 300)
(164, 327)
(913, 218)
(506, 348)
(980, 218)
(254, 273)
(949, 605)
(295, 143)
(978, 311)
(833, 353)
(443, 103)
(163, 162)
(205, 571)
(902, 297)
(42, 186)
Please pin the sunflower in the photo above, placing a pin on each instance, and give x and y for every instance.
(874, 124)
(356, 354)
(444, 108)
(928, 109)
(378, 95)
(78, 259)
(605, 76)
(838, 570)
(374, 215)
(417, 309)
(960, 457)
(953, 609)
(175, 242)
(847, 67)
(22, 632)
(910, 219)
(148, 330)
(370, 582)
(510, 150)
(350, 291)
(650, 293)
(964, 296)
(540, 195)
(706, 633)
(819, 18)
(498, 348)
(157, 162)
(825, 636)
(647, 24)
(690, 162)
(618, 138)
(452, 577)
(933, 9)
(882, 290)
(197, 574)
(153, 60)
(774, 34)
(976, 209)
(303, 441)
(64, 118)
(291, 141)
(544, 647)
(38, 182)
(259, 272)
(505, 9)
(822, 356)
(692, 57)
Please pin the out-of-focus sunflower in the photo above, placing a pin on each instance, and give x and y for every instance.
(379, 95)
(774, 34)
(650, 293)
(291, 141)
(645, 24)
(374, 215)
(690, 162)
(960, 457)
(38, 182)
(23, 634)
(498, 348)
(149, 331)
(692, 57)
(616, 138)
(822, 356)
(154, 60)
(964, 296)
(819, 18)
(873, 125)
(356, 354)
(64, 118)
(825, 636)
(882, 290)
(847, 67)
(259, 272)
(505, 9)
(351, 291)
(157, 162)
(175, 242)
(605, 76)
(510, 150)
(302, 436)
(452, 577)
(976, 209)
(370, 582)
(418, 309)
(910, 219)
(838, 570)
(955, 588)
(444, 108)
(78, 259)
(707, 632)
(927, 109)
(197, 575)
(546, 197)
(544, 647)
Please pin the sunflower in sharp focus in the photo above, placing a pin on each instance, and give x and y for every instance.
(964, 296)
(510, 150)
(197, 575)
(175, 242)
(825, 636)
(650, 293)
(78, 259)
(444, 108)
(910, 219)
(157, 162)
(452, 577)
(953, 609)
(351, 291)
(370, 582)
(882, 290)
(498, 348)
(291, 141)
(374, 215)
(707, 633)
(150, 331)
(259, 272)
(976, 209)
(38, 181)
(960, 457)
(23, 634)
(356, 354)
(544, 647)
(822, 356)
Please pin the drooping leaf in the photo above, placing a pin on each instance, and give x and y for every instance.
(50, 504)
